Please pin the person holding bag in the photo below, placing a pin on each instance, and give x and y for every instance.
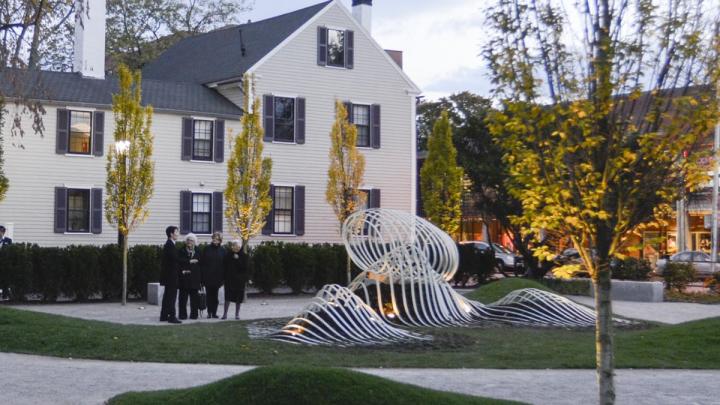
(190, 277)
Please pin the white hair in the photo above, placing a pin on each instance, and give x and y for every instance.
(192, 237)
(237, 242)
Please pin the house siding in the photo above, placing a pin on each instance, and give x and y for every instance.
(34, 170)
(293, 71)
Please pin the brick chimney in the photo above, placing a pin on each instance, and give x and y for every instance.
(89, 55)
(362, 11)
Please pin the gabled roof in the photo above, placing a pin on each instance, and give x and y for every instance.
(217, 55)
(72, 88)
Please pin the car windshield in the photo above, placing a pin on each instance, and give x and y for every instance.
(682, 257)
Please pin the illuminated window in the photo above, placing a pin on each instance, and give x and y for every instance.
(80, 132)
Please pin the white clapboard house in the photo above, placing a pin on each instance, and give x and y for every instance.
(303, 62)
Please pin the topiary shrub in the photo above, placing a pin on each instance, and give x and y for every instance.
(110, 263)
(143, 268)
(48, 271)
(16, 269)
(327, 265)
(631, 269)
(82, 272)
(678, 275)
(298, 265)
(266, 267)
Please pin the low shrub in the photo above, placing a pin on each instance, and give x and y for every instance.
(143, 268)
(631, 269)
(266, 267)
(110, 262)
(327, 265)
(16, 271)
(678, 275)
(82, 272)
(48, 271)
(298, 265)
(569, 286)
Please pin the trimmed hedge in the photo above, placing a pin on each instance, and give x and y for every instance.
(91, 272)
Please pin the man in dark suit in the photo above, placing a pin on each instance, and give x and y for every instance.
(4, 241)
(169, 276)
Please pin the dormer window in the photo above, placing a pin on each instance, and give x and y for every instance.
(336, 48)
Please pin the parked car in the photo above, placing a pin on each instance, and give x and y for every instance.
(700, 261)
(508, 260)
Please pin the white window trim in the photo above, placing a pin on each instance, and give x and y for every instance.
(294, 97)
(76, 108)
(91, 154)
(369, 106)
(90, 203)
(293, 234)
(211, 210)
(81, 155)
(203, 161)
(327, 56)
(212, 140)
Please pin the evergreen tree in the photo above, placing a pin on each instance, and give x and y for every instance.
(347, 167)
(247, 195)
(130, 168)
(441, 179)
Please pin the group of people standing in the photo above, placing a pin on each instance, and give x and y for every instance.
(186, 271)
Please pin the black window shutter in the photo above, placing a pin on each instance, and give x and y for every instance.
(269, 223)
(96, 203)
(185, 211)
(299, 213)
(187, 138)
(374, 198)
(300, 120)
(322, 46)
(375, 126)
(219, 141)
(60, 209)
(63, 129)
(98, 133)
(269, 117)
(217, 211)
(349, 109)
(349, 49)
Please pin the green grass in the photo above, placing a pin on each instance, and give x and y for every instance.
(497, 289)
(302, 385)
(690, 345)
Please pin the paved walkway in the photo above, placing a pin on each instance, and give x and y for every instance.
(665, 312)
(141, 313)
(30, 380)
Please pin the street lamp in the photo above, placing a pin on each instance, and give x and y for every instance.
(121, 147)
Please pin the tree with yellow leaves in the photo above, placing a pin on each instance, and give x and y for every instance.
(441, 179)
(346, 171)
(130, 168)
(247, 195)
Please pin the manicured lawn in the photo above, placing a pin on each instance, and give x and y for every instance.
(690, 345)
(497, 289)
(302, 385)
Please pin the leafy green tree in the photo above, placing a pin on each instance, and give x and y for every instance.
(140, 30)
(441, 180)
(247, 194)
(130, 167)
(596, 133)
(346, 171)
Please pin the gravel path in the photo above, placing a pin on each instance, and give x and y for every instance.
(665, 312)
(30, 380)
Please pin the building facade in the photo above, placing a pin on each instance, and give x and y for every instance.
(302, 63)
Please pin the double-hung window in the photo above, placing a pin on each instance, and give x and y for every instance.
(80, 136)
(201, 213)
(202, 148)
(283, 210)
(284, 119)
(78, 210)
(361, 119)
(336, 48)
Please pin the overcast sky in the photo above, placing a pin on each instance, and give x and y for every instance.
(441, 40)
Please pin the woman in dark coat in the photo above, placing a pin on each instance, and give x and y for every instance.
(190, 277)
(237, 274)
(213, 272)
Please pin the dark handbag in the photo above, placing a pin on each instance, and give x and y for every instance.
(202, 299)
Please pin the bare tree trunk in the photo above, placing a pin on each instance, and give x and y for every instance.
(604, 356)
(125, 263)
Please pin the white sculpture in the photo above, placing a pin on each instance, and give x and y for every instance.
(406, 264)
